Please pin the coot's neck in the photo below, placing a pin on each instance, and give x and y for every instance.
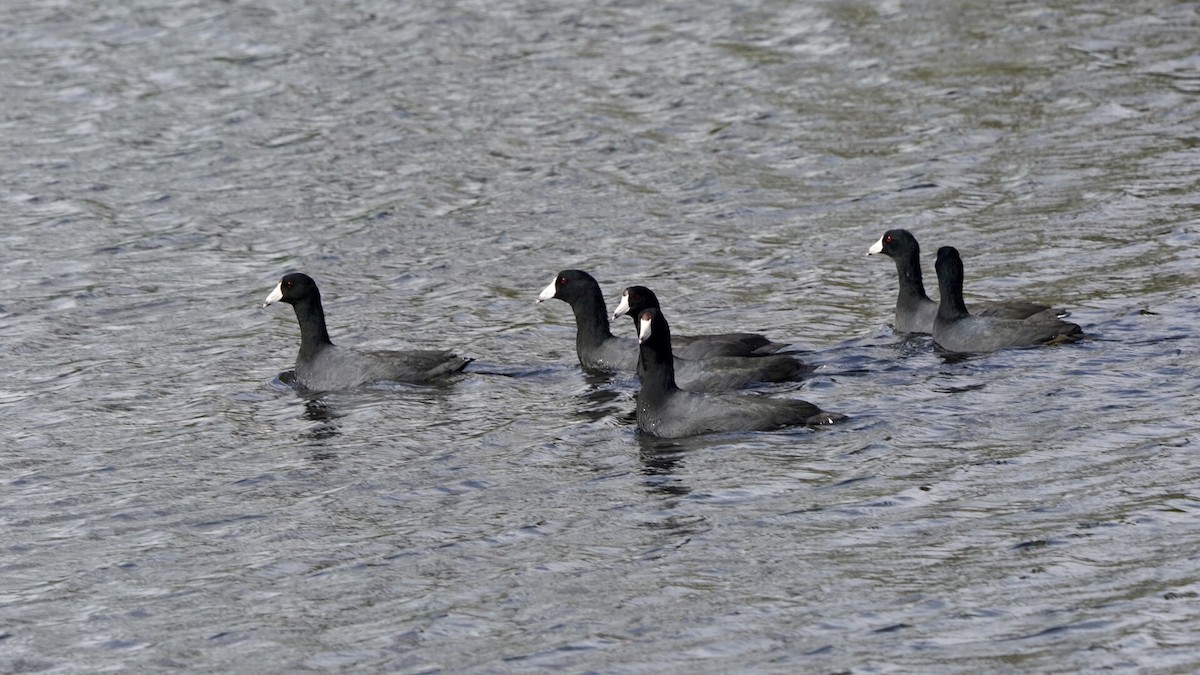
(591, 320)
(950, 288)
(311, 316)
(908, 268)
(656, 364)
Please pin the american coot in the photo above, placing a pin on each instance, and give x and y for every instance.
(596, 346)
(915, 311)
(665, 410)
(323, 366)
(598, 349)
(716, 373)
(724, 344)
(957, 330)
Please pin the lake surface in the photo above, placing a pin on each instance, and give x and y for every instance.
(168, 503)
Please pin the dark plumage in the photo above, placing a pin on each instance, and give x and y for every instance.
(665, 410)
(716, 373)
(915, 311)
(599, 349)
(720, 361)
(596, 346)
(957, 330)
(700, 346)
(323, 366)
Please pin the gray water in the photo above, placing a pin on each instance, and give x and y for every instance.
(169, 503)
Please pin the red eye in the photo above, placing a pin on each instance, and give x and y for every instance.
(887, 239)
(288, 283)
(562, 281)
(637, 298)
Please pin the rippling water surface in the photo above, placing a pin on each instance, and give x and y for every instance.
(168, 502)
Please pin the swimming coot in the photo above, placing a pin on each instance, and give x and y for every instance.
(915, 311)
(716, 373)
(665, 410)
(598, 349)
(324, 366)
(957, 330)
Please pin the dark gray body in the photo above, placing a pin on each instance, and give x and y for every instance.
(957, 330)
(324, 366)
(687, 413)
(916, 315)
(665, 410)
(704, 362)
(915, 312)
(334, 368)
